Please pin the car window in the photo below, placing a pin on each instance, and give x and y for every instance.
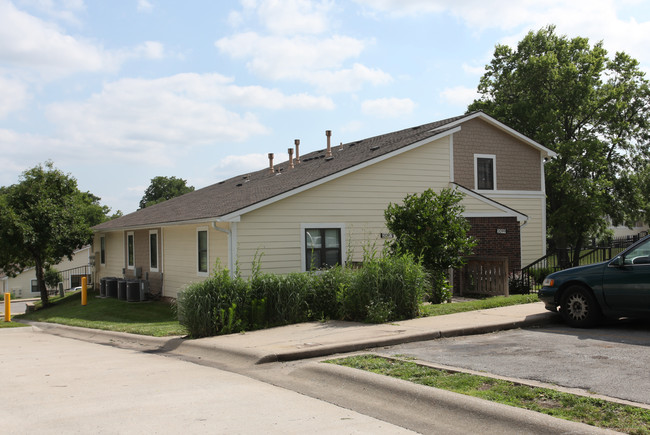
(639, 255)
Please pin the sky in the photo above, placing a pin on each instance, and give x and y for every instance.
(115, 93)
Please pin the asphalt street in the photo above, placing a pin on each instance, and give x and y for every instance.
(57, 385)
(611, 360)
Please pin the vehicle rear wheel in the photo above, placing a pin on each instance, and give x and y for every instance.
(579, 307)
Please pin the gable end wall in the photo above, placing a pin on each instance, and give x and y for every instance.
(517, 164)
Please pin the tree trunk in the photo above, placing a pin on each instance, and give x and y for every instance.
(40, 282)
(577, 249)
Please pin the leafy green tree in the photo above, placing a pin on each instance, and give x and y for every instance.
(51, 276)
(593, 111)
(164, 188)
(43, 219)
(431, 227)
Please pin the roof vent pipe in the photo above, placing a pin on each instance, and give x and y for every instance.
(271, 163)
(290, 151)
(328, 133)
(297, 142)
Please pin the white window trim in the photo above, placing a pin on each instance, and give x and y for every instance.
(303, 256)
(102, 241)
(196, 238)
(154, 269)
(31, 286)
(494, 171)
(132, 234)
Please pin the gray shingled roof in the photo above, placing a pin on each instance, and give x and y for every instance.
(239, 192)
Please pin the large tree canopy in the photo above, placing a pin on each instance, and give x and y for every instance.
(43, 219)
(164, 188)
(593, 111)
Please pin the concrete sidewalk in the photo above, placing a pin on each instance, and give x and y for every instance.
(314, 339)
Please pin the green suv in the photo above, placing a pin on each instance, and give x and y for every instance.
(616, 288)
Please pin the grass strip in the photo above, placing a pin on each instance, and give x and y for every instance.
(592, 411)
(4, 324)
(429, 310)
(145, 318)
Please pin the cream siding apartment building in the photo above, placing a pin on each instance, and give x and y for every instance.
(327, 206)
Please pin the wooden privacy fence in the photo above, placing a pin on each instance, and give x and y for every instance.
(484, 276)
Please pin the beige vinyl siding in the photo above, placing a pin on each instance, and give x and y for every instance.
(180, 255)
(533, 234)
(356, 200)
(21, 285)
(115, 252)
(475, 206)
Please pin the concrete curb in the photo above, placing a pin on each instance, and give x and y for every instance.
(431, 409)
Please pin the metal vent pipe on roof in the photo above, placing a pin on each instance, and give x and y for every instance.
(271, 163)
(290, 151)
(328, 153)
(297, 142)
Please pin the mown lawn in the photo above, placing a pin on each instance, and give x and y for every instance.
(145, 318)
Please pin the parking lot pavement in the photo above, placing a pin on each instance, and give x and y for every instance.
(610, 360)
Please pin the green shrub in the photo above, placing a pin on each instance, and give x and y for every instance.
(384, 289)
(210, 307)
(322, 295)
(285, 296)
(440, 290)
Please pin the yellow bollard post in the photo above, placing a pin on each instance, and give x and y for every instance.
(84, 291)
(7, 307)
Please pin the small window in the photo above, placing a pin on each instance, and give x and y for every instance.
(34, 285)
(102, 250)
(130, 250)
(202, 244)
(153, 251)
(485, 174)
(322, 248)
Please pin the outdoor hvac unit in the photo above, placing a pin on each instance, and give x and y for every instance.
(133, 291)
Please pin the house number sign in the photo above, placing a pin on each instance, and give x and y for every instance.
(501, 231)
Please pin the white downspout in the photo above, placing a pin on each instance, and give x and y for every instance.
(231, 259)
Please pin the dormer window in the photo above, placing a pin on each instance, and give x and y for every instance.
(485, 177)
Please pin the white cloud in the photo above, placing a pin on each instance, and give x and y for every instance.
(29, 42)
(388, 107)
(62, 10)
(144, 6)
(233, 165)
(595, 19)
(13, 96)
(474, 70)
(459, 95)
(154, 121)
(287, 17)
(308, 59)
(147, 50)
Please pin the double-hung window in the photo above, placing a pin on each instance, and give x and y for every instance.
(322, 248)
(130, 250)
(485, 172)
(102, 250)
(202, 251)
(153, 251)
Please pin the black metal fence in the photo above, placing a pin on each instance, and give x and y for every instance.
(529, 279)
(71, 278)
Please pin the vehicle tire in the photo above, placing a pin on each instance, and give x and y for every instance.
(579, 307)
